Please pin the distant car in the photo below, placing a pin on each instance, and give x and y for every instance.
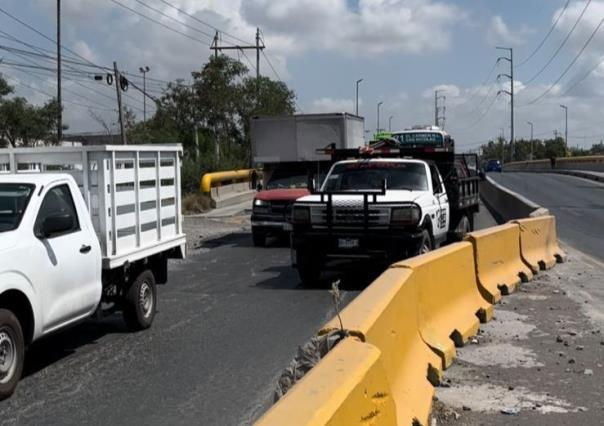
(494, 166)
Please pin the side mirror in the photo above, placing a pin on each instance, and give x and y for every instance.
(56, 224)
(482, 175)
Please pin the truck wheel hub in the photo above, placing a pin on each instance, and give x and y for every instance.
(7, 355)
(146, 299)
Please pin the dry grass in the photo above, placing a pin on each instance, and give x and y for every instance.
(197, 203)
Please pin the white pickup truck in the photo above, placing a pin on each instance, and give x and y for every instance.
(83, 231)
(383, 206)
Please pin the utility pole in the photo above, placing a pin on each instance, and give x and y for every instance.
(378, 117)
(510, 59)
(565, 128)
(438, 109)
(531, 124)
(390, 123)
(258, 47)
(59, 97)
(144, 70)
(358, 82)
(119, 101)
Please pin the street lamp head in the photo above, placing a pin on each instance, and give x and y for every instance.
(359, 80)
(144, 69)
(380, 103)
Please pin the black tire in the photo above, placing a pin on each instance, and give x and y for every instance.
(259, 238)
(426, 244)
(12, 353)
(309, 267)
(140, 302)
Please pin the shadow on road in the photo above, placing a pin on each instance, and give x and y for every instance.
(286, 278)
(56, 347)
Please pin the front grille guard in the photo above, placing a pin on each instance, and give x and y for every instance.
(369, 197)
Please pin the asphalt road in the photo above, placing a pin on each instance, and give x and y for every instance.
(578, 205)
(229, 321)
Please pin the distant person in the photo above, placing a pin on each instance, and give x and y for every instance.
(552, 162)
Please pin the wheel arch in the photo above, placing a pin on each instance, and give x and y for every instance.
(18, 303)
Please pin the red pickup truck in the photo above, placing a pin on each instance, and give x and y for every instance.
(272, 204)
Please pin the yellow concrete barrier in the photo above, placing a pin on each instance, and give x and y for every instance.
(499, 266)
(210, 180)
(539, 242)
(348, 387)
(450, 304)
(385, 315)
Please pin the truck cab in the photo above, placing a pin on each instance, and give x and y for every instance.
(382, 207)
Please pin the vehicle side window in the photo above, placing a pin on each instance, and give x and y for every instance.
(58, 201)
(436, 184)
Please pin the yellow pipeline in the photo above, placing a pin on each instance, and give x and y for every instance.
(210, 180)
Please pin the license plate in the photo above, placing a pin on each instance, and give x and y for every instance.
(348, 243)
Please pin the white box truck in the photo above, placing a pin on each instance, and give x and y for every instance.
(286, 149)
(83, 231)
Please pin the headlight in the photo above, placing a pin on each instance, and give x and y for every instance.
(260, 203)
(407, 216)
(301, 215)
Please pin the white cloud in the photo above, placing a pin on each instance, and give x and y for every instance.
(333, 105)
(377, 27)
(499, 32)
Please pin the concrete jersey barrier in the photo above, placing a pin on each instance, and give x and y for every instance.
(539, 243)
(450, 303)
(386, 316)
(506, 205)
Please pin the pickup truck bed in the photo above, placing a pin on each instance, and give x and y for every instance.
(133, 216)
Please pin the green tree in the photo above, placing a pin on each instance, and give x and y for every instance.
(24, 124)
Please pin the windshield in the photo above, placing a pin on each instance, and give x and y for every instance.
(371, 174)
(296, 181)
(420, 138)
(13, 201)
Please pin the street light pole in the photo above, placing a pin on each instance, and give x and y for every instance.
(59, 94)
(358, 82)
(378, 116)
(390, 123)
(565, 128)
(144, 70)
(531, 124)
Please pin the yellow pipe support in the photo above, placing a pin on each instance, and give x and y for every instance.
(211, 180)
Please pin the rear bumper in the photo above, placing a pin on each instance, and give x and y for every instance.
(385, 245)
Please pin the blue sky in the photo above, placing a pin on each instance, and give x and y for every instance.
(403, 49)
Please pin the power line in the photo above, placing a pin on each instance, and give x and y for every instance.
(142, 15)
(553, 27)
(45, 36)
(561, 45)
(537, 99)
(174, 19)
(203, 22)
(574, 86)
(483, 115)
(34, 89)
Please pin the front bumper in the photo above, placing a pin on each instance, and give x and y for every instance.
(383, 245)
(270, 223)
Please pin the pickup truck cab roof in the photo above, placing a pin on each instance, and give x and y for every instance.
(38, 179)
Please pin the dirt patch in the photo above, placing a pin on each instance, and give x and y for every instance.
(539, 361)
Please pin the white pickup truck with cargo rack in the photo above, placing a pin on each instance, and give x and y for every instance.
(83, 231)
(384, 203)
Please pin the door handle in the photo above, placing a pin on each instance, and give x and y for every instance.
(85, 249)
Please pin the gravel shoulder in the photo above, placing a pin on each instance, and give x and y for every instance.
(540, 360)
